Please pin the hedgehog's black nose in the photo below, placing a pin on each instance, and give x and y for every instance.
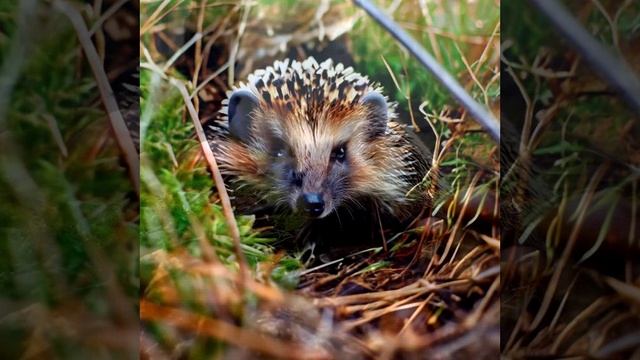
(313, 203)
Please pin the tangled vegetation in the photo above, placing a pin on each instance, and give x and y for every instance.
(570, 191)
(205, 292)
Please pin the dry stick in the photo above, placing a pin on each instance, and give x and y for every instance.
(408, 97)
(215, 31)
(415, 288)
(424, 8)
(603, 339)
(455, 252)
(522, 162)
(236, 45)
(528, 120)
(470, 255)
(567, 293)
(628, 341)
(407, 94)
(151, 20)
(413, 316)
(378, 305)
(485, 51)
(349, 325)
(307, 271)
(466, 199)
(473, 75)
(612, 24)
(198, 56)
(616, 18)
(543, 73)
(590, 310)
(217, 177)
(55, 132)
(372, 311)
(196, 37)
(425, 231)
(546, 119)
(628, 291)
(123, 137)
(460, 38)
(479, 309)
(364, 297)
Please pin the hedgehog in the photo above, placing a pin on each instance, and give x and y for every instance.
(314, 138)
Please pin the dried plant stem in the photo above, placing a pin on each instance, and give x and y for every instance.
(236, 45)
(55, 132)
(590, 310)
(106, 15)
(424, 8)
(123, 137)
(484, 56)
(473, 75)
(564, 259)
(458, 224)
(155, 16)
(217, 177)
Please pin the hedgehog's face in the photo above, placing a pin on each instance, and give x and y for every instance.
(311, 176)
(308, 162)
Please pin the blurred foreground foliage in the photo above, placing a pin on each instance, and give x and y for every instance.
(570, 160)
(68, 210)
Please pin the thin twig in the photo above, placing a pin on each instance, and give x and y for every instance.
(181, 51)
(121, 132)
(106, 15)
(222, 191)
(581, 212)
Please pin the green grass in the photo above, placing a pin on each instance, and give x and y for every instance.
(177, 196)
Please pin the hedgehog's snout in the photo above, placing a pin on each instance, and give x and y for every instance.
(312, 203)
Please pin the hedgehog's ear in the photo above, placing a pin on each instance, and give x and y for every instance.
(241, 103)
(378, 113)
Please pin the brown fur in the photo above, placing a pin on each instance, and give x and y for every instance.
(316, 107)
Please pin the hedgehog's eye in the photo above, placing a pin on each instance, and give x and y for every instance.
(278, 148)
(339, 153)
